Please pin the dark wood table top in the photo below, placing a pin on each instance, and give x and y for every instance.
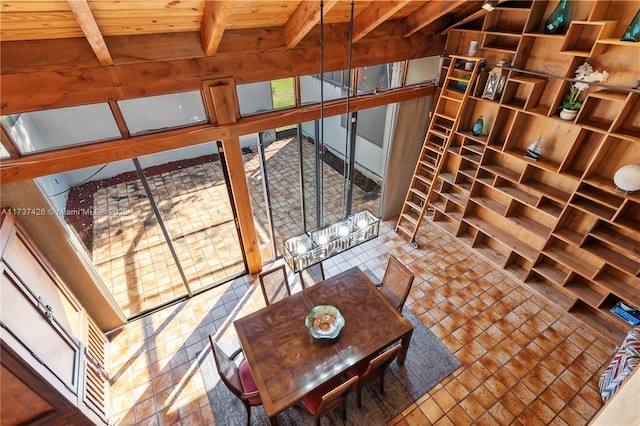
(288, 363)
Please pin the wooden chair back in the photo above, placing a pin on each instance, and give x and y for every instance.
(274, 284)
(375, 371)
(317, 275)
(227, 369)
(230, 375)
(336, 398)
(396, 283)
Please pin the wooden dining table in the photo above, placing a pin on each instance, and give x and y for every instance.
(288, 363)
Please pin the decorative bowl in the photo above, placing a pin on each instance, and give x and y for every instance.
(324, 322)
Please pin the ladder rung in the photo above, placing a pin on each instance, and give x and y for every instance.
(433, 147)
(414, 206)
(440, 133)
(418, 193)
(468, 58)
(446, 117)
(427, 165)
(464, 80)
(423, 179)
(404, 230)
(409, 218)
(450, 98)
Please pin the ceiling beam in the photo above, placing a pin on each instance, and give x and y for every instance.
(86, 20)
(303, 19)
(214, 22)
(427, 14)
(373, 15)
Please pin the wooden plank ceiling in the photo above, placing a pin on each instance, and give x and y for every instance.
(100, 20)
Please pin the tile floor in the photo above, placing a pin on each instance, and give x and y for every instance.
(524, 362)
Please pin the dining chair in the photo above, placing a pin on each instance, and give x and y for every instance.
(370, 370)
(274, 284)
(396, 283)
(312, 274)
(328, 397)
(238, 379)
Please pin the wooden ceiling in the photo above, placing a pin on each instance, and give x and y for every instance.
(100, 20)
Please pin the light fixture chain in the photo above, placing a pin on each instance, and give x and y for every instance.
(321, 138)
(348, 178)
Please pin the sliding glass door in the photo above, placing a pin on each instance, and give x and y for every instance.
(156, 228)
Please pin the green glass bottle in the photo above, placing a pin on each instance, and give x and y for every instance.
(558, 20)
(477, 127)
(633, 32)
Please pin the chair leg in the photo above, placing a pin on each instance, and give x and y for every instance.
(381, 385)
(248, 407)
(344, 410)
(359, 396)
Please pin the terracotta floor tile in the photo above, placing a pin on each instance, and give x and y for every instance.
(431, 410)
(486, 420)
(456, 390)
(584, 408)
(484, 396)
(542, 411)
(144, 409)
(524, 394)
(495, 386)
(555, 402)
(502, 415)
(459, 417)
(444, 400)
(513, 403)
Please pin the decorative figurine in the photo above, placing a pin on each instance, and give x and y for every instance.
(534, 150)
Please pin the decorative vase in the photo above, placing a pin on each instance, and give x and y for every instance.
(633, 32)
(568, 114)
(558, 20)
(477, 127)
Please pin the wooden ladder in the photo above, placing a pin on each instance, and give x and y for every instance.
(456, 87)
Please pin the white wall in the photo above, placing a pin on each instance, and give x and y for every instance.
(254, 97)
(369, 157)
(56, 188)
(43, 130)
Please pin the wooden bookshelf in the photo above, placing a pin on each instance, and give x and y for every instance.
(557, 224)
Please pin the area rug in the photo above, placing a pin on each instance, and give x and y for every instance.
(428, 362)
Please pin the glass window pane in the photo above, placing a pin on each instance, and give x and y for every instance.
(283, 93)
(3, 152)
(163, 112)
(254, 97)
(379, 77)
(189, 188)
(335, 87)
(109, 211)
(422, 70)
(57, 128)
(374, 128)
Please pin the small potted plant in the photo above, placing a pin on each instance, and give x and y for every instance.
(573, 102)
